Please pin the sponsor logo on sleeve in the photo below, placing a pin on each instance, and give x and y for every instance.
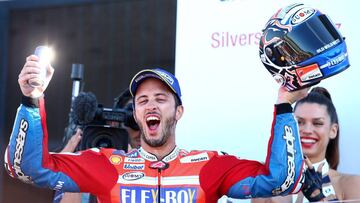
(19, 150)
(59, 185)
(150, 195)
(290, 178)
(195, 158)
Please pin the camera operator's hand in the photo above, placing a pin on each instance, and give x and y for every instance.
(284, 96)
(31, 70)
(73, 142)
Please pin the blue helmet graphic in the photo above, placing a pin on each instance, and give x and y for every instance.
(300, 46)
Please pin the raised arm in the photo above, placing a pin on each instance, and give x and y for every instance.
(281, 174)
(27, 157)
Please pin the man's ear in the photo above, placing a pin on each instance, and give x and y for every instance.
(179, 112)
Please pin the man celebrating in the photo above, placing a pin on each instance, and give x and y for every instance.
(159, 171)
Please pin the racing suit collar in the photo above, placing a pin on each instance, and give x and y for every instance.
(150, 157)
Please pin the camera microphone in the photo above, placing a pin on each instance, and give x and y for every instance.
(77, 75)
(84, 109)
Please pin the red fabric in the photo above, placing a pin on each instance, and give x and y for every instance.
(230, 170)
(75, 165)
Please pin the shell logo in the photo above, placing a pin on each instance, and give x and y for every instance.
(115, 159)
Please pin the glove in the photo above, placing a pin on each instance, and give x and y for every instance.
(313, 183)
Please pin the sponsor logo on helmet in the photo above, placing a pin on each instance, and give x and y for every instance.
(290, 178)
(19, 150)
(327, 46)
(115, 159)
(133, 176)
(309, 72)
(302, 15)
(334, 61)
(148, 194)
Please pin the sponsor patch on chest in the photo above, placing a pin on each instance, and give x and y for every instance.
(134, 160)
(134, 166)
(131, 176)
(195, 158)
(149, 195)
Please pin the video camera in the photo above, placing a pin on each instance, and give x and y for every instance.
(102, 127)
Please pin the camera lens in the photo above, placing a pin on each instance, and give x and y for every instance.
(104, 137)
(103, 140)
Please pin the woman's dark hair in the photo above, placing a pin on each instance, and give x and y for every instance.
(320, 95)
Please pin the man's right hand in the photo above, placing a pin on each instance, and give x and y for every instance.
(285, 96)
(31, 70)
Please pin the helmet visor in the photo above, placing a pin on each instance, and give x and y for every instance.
(306, 40)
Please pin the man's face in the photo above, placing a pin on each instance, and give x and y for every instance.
(155, 113)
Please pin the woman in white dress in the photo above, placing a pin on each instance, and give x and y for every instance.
(319, 133)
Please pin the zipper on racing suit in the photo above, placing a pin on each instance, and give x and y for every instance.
(159, 165)
(159, 185)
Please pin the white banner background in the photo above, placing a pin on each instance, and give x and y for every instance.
(228, 94)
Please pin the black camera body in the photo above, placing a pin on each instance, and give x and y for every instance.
(104, 136)
(106, 129)
(102, 127)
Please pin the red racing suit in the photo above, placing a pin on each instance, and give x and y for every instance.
(114, 176)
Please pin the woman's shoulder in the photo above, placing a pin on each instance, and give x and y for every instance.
(349, 179)
(350, 185)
